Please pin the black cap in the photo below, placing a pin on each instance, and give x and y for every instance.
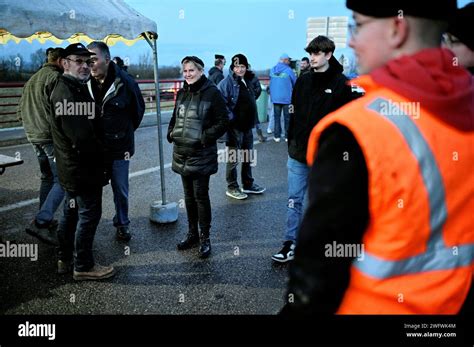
(76, 49)
(219, 56)
(194, 59)
(439, 9)
(461, 25)
(239, 59)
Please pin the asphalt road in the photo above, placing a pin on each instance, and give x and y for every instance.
(152, 276)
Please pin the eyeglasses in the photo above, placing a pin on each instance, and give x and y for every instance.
(354, 28)
(450, 40)
(79, 62)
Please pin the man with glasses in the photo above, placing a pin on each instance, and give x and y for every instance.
(122, 104)
(388, 229)
(76, 130)
(459, 38)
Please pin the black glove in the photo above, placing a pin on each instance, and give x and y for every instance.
(169, 137)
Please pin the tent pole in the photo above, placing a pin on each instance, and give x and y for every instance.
(152, 42)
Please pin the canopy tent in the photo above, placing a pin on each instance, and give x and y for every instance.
(86, 20)
(110, 21)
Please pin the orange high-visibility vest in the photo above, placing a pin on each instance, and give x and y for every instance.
(419, 244)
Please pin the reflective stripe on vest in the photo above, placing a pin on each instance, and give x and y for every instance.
(437, 255)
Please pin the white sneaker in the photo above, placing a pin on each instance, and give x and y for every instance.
(276, 139)
(269, 131)
(286, 254)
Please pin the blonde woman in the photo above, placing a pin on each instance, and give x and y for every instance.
(199, 119)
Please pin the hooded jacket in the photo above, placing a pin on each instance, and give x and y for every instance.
(34, 107)
(199, 119)
(315, 95)
(338, 188)
(77, 133)
(282, 80)
(230, 90)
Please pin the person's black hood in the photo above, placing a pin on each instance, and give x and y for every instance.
(321, 78)
(334, 65)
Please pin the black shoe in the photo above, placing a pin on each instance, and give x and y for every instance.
(254, 189)
(205, 248)
(191, 240)
(260, 136)
(286, 254)
(123, 233)
(46, 233)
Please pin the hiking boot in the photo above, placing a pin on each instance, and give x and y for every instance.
(235, 193)
(254, 189)
(98, 272)
(260, 136)
(46, 233)
(191, 240)
(286, 254)
(64, 266)
(123, 233)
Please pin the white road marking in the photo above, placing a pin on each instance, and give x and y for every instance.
(133, 174)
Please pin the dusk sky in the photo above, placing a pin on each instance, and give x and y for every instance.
(260, 29)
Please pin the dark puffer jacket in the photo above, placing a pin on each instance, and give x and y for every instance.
(77, 133)
(315, 95)
(199, 119)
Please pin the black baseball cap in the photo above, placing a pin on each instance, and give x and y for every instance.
(219, 56)
(76, 49)
(438, 10)
(461, 25)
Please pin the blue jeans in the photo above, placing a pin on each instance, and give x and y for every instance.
(271, 117)
(278, 108)
(297, 184)
(119, 182)
(51, 193)
(77, 228)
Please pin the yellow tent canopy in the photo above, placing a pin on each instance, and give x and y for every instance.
(110, 21)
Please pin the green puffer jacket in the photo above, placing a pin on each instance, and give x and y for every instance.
(34, 108)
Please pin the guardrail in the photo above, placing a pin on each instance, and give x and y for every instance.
(10, 93)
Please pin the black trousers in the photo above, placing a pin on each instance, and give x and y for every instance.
(239, 140)
(198, 205)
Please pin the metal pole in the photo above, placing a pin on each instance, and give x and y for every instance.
(152, 42)
(327, 26)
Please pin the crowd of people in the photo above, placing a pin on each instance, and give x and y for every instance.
(362, 170)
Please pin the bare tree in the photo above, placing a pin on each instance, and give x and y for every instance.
(37, 59)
